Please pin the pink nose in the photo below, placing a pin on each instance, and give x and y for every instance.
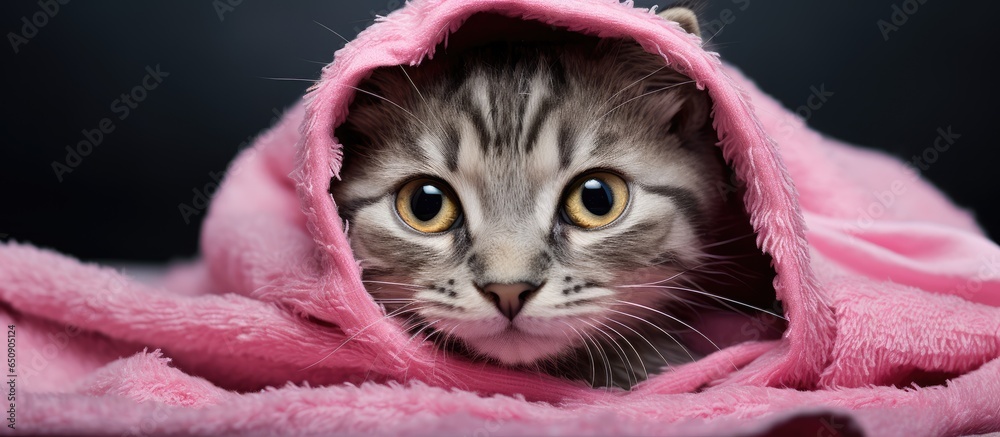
(509, 298)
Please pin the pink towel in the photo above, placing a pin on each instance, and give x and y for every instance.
(891, 293)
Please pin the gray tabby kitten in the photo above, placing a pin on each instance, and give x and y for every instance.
(549, 205)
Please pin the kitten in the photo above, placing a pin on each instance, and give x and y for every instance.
(548, 205)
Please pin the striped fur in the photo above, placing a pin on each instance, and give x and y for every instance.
(508, 127)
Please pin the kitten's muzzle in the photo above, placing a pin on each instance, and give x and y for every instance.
(509, 298)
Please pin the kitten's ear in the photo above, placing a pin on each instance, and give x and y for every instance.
(686, 110)
(696, 112)
(683, 16)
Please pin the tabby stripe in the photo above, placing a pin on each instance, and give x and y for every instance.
(566, 140)
(683, 198)
(347, 208)
(452, 142)
(522, 105)
(462, 243)
(498, 122)
(558, 73)
(606, 139)
(478, 120)
(535, 127)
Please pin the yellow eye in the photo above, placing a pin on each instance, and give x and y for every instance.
(595, 199)
(427, 205)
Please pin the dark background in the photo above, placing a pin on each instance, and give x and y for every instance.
(121, 202)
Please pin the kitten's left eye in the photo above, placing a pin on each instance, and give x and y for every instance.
(595, 199)
(427, 205)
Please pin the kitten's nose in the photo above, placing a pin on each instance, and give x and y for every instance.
(509, 298)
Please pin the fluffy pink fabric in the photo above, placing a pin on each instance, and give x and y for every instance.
(891, 285)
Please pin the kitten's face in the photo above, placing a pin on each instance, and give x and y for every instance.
(511, 200)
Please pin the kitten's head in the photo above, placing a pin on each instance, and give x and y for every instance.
(511, 195)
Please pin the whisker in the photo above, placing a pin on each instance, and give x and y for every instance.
(356, 334)
(726, 44)
(715, 296)
(678, 321)
(695, 303)
(313, 61)
(719, 32)
(332, 31)
(690, 355)
(731, 240)
(293, 79)
(406, 323)
(432, 334)
(616, 347)
(372, 366)
(608, 374)
(391, 283)
(390, 102)
(733, 266)
(434, 356)
(413, 84)
(655, 349)
(593, 364)
(631, 85)
(392, 302)
(637, 354)
(600, 353)
(692, 269)
(639, 97)
(713, 276)
(422, 330)
(406, 372)
(448, 337)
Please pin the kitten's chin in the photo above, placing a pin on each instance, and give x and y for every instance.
(514, 347)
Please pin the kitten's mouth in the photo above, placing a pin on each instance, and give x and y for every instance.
(514, 345)
(512, 329)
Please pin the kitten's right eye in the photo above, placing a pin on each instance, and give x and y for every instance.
(595, 200)
(427, 205)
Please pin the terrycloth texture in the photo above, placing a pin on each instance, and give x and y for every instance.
(891, 285)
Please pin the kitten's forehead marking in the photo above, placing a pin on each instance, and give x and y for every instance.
(497, 171)
(481, 97)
